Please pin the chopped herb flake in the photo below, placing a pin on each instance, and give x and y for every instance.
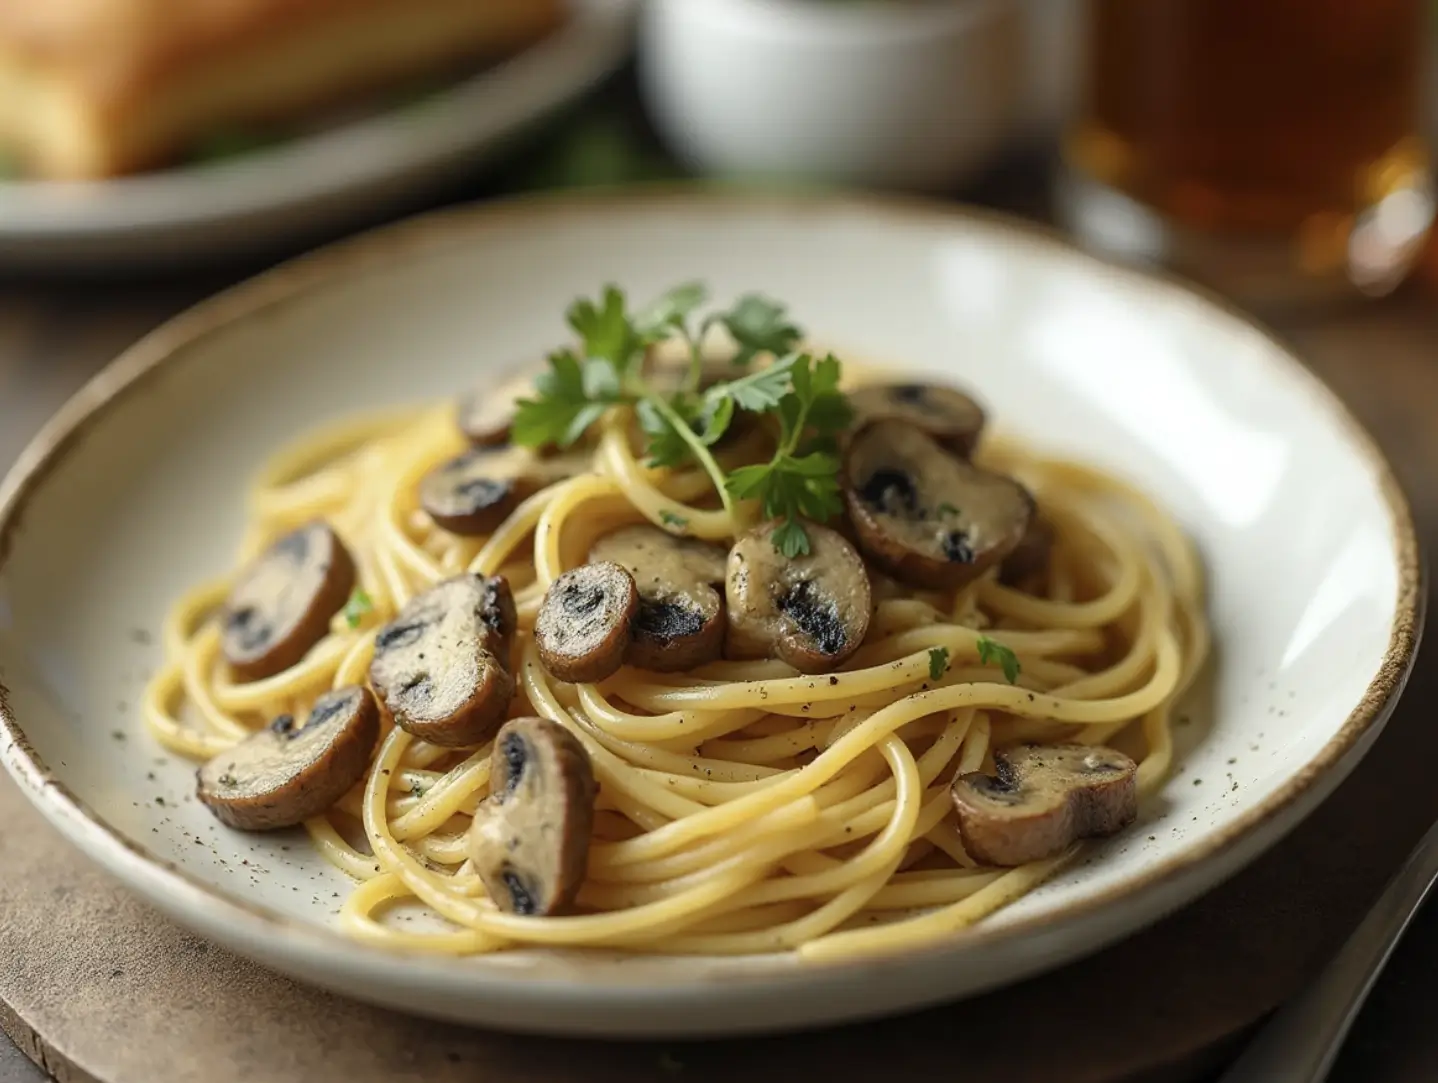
(992, 652)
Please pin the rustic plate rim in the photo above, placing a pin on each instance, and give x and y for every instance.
(291, 280)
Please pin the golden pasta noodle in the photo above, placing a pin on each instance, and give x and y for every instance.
(744, 807)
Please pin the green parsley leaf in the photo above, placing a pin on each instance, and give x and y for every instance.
(791, 539)
(605, 330)
(757, 325)
(358, 605)
(674, 522)
(670, 312)
(991, 651)
(759, 391)
(938, 662)
(666, 447)
(798, 483)
(947, 510)
(569, 396)
(416, 789)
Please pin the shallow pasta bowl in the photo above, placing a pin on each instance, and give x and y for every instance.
(134, 492)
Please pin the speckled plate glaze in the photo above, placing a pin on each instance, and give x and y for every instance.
(133, 492)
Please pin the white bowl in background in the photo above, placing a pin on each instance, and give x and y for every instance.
(903, 95)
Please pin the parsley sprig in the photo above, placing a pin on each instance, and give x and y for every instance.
(607, 371)
(802, 479)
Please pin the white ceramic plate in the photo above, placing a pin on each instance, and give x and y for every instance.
(308, 187)
(133, 493)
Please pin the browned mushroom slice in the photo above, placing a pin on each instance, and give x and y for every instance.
(1029, 561)
(286, 773)
(530, 840)
(810, 611)
(585, 622)
(441, 667)
(680, 622)
(474, 492)
(486, 413)
(282, 603)
(1041, 798)
(948, 415)
(925, 516)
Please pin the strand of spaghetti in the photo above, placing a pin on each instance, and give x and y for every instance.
(511, 533)
(802, 813)
(189, 613)
(943, 922)
(674, 726)
(356, 920)
(354, 666)
(199, 659)
(334, 849)
(548, 532)
(454, 792)
(617, 461)
(445, 849)
(331, 442)
(313, 673)
(164, 687)
(884, 722)
(611, 771)
(895, 821)
(913, 667)
(950, 888)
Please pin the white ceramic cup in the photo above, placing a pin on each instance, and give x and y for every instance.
(897, 94)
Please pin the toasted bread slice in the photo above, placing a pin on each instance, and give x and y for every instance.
(96, 88)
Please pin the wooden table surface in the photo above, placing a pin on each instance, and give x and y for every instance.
(1277, 921)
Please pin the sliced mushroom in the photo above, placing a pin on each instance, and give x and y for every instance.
(282, 603)
(473, 493)
(925, 516)
(945, 413)
(1030, 559)
(1041, 798)
(441, 667)
(810, 611)
(586, 622)
(680, 622)
(286, 773)
(530, 840)
(486, 413)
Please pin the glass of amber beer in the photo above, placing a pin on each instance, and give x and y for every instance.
(1275, 148)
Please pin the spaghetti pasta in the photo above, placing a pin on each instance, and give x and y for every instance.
(743, 807)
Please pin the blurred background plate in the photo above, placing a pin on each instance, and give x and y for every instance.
(303, 189)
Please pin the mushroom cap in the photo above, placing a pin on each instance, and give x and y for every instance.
(285, 773)
(475, 491)
(486, 413)
(924, 515)
(282, 602)
(952, 418)
(680, 622)
(441, 667)
(1042, 798)
(810, 611)
(585, 622)
(529, 840)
